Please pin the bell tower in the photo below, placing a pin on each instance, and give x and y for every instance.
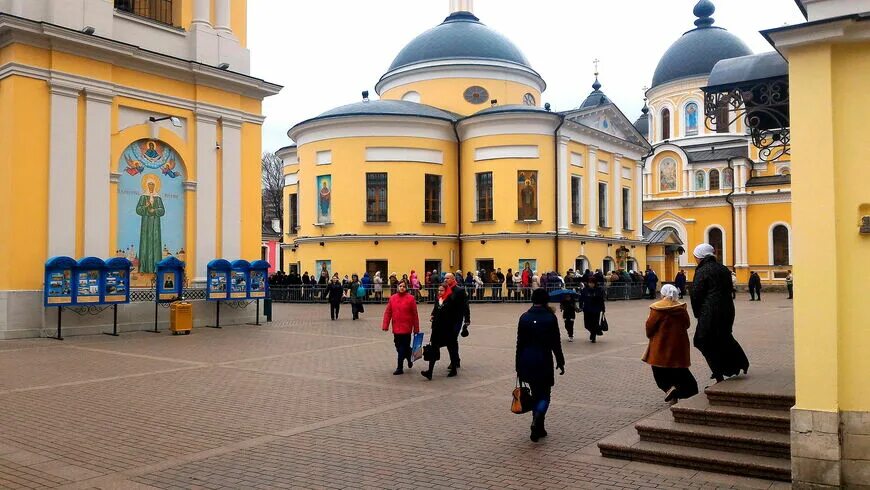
(461, 6)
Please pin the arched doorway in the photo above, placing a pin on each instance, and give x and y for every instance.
(779, 237)
(715, 239)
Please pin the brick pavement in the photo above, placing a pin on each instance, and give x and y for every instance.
(309, 403)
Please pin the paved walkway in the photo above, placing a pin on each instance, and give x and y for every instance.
(310, 403)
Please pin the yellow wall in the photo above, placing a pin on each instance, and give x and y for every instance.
(447, 93)
(350, 257)
(239, 20)
(405, 185)
(24, 136)
(759, 219)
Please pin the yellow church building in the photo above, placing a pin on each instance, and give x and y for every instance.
(129, 128)
(459, 167)
(710, 181)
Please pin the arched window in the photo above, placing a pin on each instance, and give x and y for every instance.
(727, 178)
(714, 238)
(608, 265)
(666, 124)
(714, 179)
(412, 96)
(691, 119)
(785, 171)
(581, 263)
(781, 252)
(700, 181)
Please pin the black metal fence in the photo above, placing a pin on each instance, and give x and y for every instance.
(159, 10)
(488, 293)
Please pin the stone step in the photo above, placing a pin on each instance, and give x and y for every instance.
(698, 410)
(770, 444)
(631, 447)
(769, 392)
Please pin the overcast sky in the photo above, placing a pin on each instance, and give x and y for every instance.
(325, 52)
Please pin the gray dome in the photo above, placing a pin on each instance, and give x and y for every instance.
(460, 36)
(521, 108)
(596, 97)
(698, 50)
(642, 123)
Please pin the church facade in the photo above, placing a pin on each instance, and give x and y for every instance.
(458, 166)
(130, 129)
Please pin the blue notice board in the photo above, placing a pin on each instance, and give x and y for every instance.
(116, 281)
(217, 286)
(58, 289)
(239, 279)
(88, 281)
(170, 279)
(259, 279)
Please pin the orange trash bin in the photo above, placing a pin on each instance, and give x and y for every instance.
(180, 317)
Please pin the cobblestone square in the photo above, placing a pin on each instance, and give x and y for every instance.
(305, 402)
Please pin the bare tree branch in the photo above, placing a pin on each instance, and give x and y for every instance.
(273, 185)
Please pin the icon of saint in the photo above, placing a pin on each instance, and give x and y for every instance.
(150, 208)
(325, 197)
(152, 152)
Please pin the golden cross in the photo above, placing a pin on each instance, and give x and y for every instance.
(596, 61)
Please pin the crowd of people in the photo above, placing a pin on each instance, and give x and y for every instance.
(539, 348)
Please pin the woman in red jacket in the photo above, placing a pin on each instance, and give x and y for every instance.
(402, 312)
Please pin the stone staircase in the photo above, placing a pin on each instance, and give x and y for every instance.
(739, 427)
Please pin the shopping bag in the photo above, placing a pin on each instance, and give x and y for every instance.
(522, 399)
(417, 346)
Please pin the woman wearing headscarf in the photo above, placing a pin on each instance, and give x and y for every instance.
(592, 304)
(450, 318)
(356, 301)
(667, 329)
(378, 286)
(415, 285)
(537, 343)
(713, 307)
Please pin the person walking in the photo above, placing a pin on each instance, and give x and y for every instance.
(443, 333)
(500, 280)
(454, 304)
(335, 293)
(537, 344)
(754, 286)
(378, 285)
(680, 283)
(401, 311)
(668, 353)
(651, 280)
(789, 284)
(714, 309)
(569, 308)
(367, 284)
(356, 301)
(592, 304)
(509, 282)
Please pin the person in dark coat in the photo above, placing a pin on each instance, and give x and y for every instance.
(569, 308)
(592, 304)
(754, 286)
(509, 279)
(713, 307)
(334, 292)
(356, 302)
(443, 332)
(452, 316)
(537, 343)
(668, 350)
(650, 281)
(680, 283)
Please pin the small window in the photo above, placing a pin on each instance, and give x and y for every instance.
(529, 100)
(714, 238)
(576, 199)
(293, 214)
(433, 198)
(602, 204)
(412, 96)
(781, 251)
(626, 208)
(376, 197)
(785, 171)
(666, 124)
(484, 196)
(714, 179)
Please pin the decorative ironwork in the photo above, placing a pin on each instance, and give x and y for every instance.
(764, 107)
(87, 310)
(238, 305)
(157, 10)
(147, 295)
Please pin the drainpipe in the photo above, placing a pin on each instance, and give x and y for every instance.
(459, 196)
(556, 179)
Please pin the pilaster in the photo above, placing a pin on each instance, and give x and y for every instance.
(616, 171)
(231, 211)
(638, 201)
(206, 192)
(98, 140)
(63, 173)
(592, 190)
(564, 178)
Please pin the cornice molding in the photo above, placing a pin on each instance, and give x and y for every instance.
(370, 238)
(453, 68)
(372, 126)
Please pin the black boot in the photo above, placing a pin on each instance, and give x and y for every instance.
(452, 373)
(535, 434)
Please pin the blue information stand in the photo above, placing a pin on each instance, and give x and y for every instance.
(240, 278)
(88, 281)
(258, 283)
(170, 284)
(217, 286)
(116, 287)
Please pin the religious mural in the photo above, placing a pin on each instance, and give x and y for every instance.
(323, 270)
(727, 178)
(150, 208)
(324, 199)
(700, 180)
(668, 176)
(691, 119)
(527, 195)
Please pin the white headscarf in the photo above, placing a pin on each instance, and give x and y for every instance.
(669, 291)
(704, 250)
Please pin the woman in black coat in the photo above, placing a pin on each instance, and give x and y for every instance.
(713, 307)
(335, 292)
(537, 343)
(592, 303)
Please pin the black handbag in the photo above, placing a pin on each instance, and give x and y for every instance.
(603, 325)
(521, 398)
(430, 353)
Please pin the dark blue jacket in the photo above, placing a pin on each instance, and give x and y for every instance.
(537, 343)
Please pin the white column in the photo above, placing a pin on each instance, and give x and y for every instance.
(98, 141)
(638, 202)
(743, 231)
(740, 177)
(63, 173)
(564, 177)
(687, 182)
(202, 12)
(222, 15)
(592, 189)
(231, 193)
(616, 169)
(738, 236)
(206, 193)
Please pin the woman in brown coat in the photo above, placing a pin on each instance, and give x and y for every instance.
(668, 352)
